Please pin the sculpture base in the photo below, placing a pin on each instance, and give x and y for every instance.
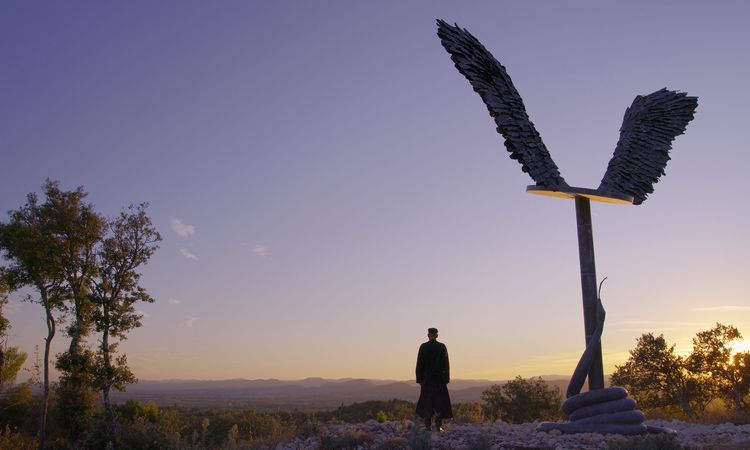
(604, 411)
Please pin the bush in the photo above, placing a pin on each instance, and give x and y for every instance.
(648, 442)
(523, 400)
(479, 441)
(419, 439)
(395, 443)
(369, 410)
(469, 412)
(16, 441)
(20, 409)
(350, 439)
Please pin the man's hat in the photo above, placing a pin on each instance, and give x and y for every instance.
(432, 331)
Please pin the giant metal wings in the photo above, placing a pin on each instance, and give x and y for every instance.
(648, 129)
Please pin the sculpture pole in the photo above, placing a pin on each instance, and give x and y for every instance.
(588, 286)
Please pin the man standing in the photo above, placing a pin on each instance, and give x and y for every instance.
(433, 375)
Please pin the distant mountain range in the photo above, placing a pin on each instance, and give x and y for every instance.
(313, 394)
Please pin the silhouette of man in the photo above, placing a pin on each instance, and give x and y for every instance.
(433, 376)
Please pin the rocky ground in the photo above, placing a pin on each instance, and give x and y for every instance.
(404, 435)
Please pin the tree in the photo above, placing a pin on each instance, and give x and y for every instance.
(523, 400)
(77, 228)
(741, 373)
(712, 358)
(658, 378)
(131, 241)
(15, 400)
(11, 358)
(4, 323)
(29, 243)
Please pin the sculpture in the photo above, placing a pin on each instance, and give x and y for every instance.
(650, 125)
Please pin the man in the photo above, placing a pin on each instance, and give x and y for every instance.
(433, 375)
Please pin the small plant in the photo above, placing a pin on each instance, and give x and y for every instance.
(14, 440)
(381, 416)
(419, 439)
(311, 428)
(395, 443)
(479, 441)
(470, 412)
(648, 442)
(350, 439)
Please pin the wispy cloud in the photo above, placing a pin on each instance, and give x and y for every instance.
(189, 323)
(723, 308)
(180, 227)
(260, 250)
(144, 314)
(185, 252)
(173, 301)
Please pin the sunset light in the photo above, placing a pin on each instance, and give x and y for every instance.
(739, 346)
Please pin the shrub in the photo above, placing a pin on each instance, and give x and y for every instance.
(523, 400)
(469, 412)
(396, 443)
(648, 442)
(368, 410)
(17, 441)
(310, 428)
(350, 439)
(419, 439)
(479, 441)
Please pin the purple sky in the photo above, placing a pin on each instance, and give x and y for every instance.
(328, 185)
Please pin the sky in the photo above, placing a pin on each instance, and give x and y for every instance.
(328, 186)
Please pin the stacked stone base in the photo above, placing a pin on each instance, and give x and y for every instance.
(605, 411)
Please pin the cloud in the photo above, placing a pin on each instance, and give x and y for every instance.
(144, 314)
(189, 323)
(260, 250)
(173, 301)
(180, 227)
(187, 254)
(723, 308)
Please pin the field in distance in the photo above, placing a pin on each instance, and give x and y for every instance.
(310, 394)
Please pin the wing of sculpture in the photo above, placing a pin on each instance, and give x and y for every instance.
(648, 129)
(490, 80)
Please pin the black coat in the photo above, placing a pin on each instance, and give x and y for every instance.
(433, 374)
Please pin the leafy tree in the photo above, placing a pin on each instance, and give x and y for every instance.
(658, 378)
(31, 245)
(741, 374)
(712, 358)
(11, 358)
(13, 361)
(523, 400)
(131, 241)
(4, 323)
(78, 228)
